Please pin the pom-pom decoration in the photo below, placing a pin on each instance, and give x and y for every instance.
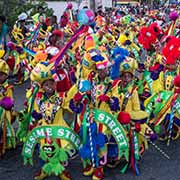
(138, 127)
(155, 29)
(2, 52)
(177, 81)
(7, 103)
(103, 98)
(171, 51)
(70, 5)
(118, 55)
(153, 137)
(77, 97)
(173, 15)
(37, 116)
(124, 118)
(84, 86)
(58, 33)
(146, 37)
(11, 46)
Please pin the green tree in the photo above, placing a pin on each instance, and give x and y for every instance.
(12, 8)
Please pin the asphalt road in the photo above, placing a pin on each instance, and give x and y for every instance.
(153, 166)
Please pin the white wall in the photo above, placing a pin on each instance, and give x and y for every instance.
(59, 6)
(107, 3)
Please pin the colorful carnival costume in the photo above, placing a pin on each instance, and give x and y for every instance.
(131, 115)
(19, 59)
(163, 108)
(171, 53)
(7, 135)
(56, 41)
(164, 87)
(55, 157)
(45, 107)
(85, 100)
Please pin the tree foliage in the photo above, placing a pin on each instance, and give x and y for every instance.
(12, 8)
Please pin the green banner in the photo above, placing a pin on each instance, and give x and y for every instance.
(54, 132)
(116, 130)
(136, 145)
(178, 106)
(148, 80)
(155, 106)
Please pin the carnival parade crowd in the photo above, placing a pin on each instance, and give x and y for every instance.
(116, 72)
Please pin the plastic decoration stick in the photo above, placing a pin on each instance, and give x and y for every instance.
(170, 127)
(60, 55)
(156, 147)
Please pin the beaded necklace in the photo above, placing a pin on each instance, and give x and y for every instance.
(104, 83)
(57, 104)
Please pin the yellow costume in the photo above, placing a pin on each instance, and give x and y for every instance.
(129, 101)
(7, 136)
(50, 108)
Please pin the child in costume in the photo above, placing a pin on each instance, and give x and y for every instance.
(131, 116)
(7, 135)
(99, 96)
(45, 107)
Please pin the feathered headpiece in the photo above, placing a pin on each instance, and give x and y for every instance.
(148, 35)
(118, 55)
(171, 51)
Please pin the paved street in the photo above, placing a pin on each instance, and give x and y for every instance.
(153, 165)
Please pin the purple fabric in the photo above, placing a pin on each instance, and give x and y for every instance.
(114, 104)
(7, 103)
(76, 109)
(153, 137)
(19, 49)
(36, 115)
